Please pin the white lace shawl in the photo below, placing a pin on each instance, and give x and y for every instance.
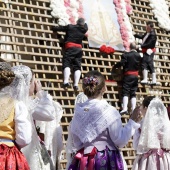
(91, 118)
(155, 128)
(81, 98)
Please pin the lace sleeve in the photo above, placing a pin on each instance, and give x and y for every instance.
(44, 110)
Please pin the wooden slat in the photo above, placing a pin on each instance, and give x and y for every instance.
(27, 23)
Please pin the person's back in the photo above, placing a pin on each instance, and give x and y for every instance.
(73, 50)
(130, 62)
(15, 128)
(96, 129)
(75, 33)
(152, 141)
(133, 59)
(40, 108)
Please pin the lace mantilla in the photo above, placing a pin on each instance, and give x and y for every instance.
(6, 105)
(5, 66)
(155, 128)
(91, 118)
(19, 88)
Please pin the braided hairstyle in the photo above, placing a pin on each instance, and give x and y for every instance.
(6, 75)
(93, 84)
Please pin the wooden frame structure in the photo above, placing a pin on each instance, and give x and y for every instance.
(26, 39)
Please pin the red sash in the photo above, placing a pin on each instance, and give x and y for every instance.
(135, 73)
(70, 44)
(145, 49)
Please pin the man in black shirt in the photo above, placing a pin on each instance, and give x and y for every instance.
(73, 50)
(130, 62)
(148, 50)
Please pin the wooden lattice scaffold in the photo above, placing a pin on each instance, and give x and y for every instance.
(26, 39)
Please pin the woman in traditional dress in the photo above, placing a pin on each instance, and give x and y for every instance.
(96, 129)
(152, 140)
(40, 108)
(15, 128)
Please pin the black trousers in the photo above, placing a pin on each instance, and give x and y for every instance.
(147, 62)
(130, 86)
(73, 58)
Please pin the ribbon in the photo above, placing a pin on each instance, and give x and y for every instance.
(159, 152)
(83, 159)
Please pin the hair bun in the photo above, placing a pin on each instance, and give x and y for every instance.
(92, 81)
(6, 78)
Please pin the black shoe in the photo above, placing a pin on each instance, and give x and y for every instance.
(67, 85)
(75, 88)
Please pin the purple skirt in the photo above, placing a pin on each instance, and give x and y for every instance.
(103, 160)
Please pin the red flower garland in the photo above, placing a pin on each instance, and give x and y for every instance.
(107, 50)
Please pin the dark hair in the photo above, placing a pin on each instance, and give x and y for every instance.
(81, 21)
(147, 101)
(150, 23)
(93, 83)
(6, 75)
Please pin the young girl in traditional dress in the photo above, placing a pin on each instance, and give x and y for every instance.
(15, 129)
(152, 140)
(96, 129)
(40, 108)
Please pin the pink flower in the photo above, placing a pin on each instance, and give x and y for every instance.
(115, 2)
(80, 10)
(66, 3)
(129, 9)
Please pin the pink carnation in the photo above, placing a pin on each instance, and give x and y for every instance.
(129, 9)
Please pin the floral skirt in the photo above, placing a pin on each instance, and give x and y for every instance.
(97, 160)
(12, 159)
(157, 159)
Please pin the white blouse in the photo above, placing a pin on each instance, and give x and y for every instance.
(22, 125)
(44, 111)
(119, 134)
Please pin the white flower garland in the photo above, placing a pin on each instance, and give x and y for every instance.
(67, 11)
(161, 11)
(74, 6)
(59, 11)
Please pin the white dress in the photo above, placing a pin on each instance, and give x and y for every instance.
(40, 108)
(52, 131)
